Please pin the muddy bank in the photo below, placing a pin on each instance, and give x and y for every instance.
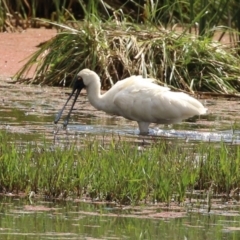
(16, 47)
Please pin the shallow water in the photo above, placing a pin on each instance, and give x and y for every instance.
(20, 219)
(29, 111)
(27, 114)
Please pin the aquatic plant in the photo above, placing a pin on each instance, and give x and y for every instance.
(119, 171)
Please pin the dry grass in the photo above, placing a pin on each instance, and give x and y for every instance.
(179, 60)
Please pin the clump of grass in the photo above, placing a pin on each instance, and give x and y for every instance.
(110, 43)
(119, 171)
(178, 60)
(207, 14)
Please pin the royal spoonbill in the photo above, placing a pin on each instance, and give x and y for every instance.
(136, 98)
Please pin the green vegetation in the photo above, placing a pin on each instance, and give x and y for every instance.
(120, 171)
(158, 42)
(207, 14)
(175, 59)
(171, 41)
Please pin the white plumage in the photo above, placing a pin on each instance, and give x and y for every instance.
(138, 99)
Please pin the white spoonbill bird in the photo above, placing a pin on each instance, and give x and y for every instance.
(136, 98)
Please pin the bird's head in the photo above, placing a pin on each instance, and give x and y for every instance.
(83, 80)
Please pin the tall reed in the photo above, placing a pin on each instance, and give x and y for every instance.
(209, 15)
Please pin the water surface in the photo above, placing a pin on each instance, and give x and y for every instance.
(21, 219)
(27, 114)
(29, 111)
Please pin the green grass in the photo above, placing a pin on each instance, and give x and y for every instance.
(137, 37)
(208, 14)
(119, 171)
(175, 59)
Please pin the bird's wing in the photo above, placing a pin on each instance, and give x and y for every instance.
(176, 105)
(155, 104)
(138, 82)
(135, 98)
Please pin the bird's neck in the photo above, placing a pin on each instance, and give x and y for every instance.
(94, 96)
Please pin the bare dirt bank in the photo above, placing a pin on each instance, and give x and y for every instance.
(15, 48)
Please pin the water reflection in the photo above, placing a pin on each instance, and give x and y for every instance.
(78, 220)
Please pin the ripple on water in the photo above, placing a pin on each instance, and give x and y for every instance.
(30, 111)
(228, 136)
